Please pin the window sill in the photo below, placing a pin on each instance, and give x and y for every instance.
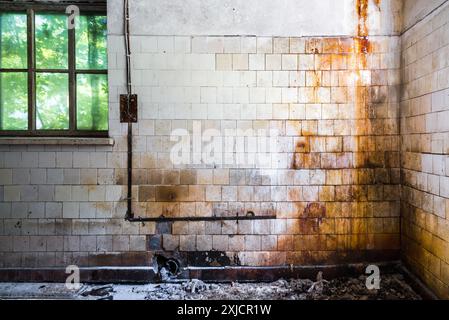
(94, 141)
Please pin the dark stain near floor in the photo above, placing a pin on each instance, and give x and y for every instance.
(203, 258)
(209, 259)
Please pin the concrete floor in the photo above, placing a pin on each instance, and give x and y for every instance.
(393, 287)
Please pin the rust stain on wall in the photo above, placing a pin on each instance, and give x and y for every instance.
(314, 46)
(362, 49)
(171, 193)
(339, 222)
(362, 43)
(315, 210)
(362, 15)
(120, 177)
(313, 215)
(301, 150)
(356, 197)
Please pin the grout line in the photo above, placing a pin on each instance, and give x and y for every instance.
(423, 18)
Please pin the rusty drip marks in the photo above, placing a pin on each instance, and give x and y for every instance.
(361, 42)
(362, 45)
(362, 48)
(314, 46)
(302, 152)
(297, 159)
(362, 15)
(315, 210)
(316, 84)
(314, 214)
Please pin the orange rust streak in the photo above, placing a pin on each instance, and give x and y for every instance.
(362, 14)
(301, 148)
(362, 43)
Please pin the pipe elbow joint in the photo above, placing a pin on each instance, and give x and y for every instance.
(129, 216)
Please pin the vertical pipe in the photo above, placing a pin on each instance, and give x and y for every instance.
(129, 213)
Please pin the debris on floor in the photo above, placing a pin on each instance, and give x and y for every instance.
(392, 287)
(102, 291)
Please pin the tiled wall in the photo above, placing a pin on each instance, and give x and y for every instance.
(425, 149)
(60, 206)
(333, 182)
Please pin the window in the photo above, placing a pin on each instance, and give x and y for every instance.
(53, 79)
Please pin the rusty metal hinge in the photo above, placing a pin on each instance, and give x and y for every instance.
(125, 114)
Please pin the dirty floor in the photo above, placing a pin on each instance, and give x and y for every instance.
(392, 287)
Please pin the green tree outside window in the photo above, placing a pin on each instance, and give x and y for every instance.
(68, 72)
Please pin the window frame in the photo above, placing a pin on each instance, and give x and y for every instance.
(31, 9)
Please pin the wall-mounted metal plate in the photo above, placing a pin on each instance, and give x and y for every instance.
(125, 115)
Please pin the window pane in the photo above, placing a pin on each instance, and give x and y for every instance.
(91, 42)
(13, 101)
(13, 40)
(52, 101)
(92, 101)
(51, 41)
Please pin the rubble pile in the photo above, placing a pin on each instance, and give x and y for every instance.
(393, 287)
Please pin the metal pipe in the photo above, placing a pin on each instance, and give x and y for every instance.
(129, 213)
(176, 219)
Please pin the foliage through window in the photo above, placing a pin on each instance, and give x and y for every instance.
(53, 79)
